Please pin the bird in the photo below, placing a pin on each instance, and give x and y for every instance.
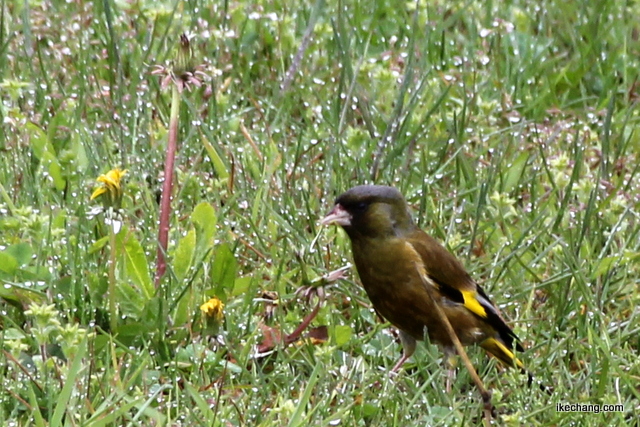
(404, 272)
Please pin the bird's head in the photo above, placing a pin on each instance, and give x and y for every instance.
(371, 211)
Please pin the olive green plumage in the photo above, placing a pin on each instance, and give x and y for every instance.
(397, 262)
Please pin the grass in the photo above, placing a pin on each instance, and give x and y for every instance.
(510, 128)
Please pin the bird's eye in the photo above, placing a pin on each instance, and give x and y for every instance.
(361, 206)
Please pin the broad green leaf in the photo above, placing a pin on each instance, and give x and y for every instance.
(22, 252)
(50, 161)
(183, 255)
(35, 273)
(13, 334)
(368, 410)
(183, 311)
(22, 295)
(132, 330)
(605, 265)
(56, 121)
(224, 269)
(8, 263)
(99, 244)
(80, 154)
(60, 220)
(44, 151)
(130, 301)
(39, 141)
(218, 164)
(136, 265)
(342, 334)
(97, 284)
(152, 310)
(204, 219)
(241, 285)
(63, 286)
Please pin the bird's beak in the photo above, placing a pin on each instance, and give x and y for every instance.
(338, 215)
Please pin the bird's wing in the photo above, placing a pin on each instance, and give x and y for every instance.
(454, 283)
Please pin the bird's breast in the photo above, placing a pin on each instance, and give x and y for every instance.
(390, 274)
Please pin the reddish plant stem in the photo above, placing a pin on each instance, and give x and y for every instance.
(295, 335)
(167, 185)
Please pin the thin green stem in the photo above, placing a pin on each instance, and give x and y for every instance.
(113, 310)
(7, 199)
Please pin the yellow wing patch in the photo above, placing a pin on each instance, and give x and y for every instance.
(472, 303)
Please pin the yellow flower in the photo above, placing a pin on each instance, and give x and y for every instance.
(110, 186)
(213, 309)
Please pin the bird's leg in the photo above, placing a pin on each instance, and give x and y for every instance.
(486, 395)
(408, 348)
(450, 364)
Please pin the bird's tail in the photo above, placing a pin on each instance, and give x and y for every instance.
(502, 353)
(506, 356)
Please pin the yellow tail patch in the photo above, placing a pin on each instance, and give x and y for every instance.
(501, 352)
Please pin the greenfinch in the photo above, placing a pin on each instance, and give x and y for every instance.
(404, 272)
